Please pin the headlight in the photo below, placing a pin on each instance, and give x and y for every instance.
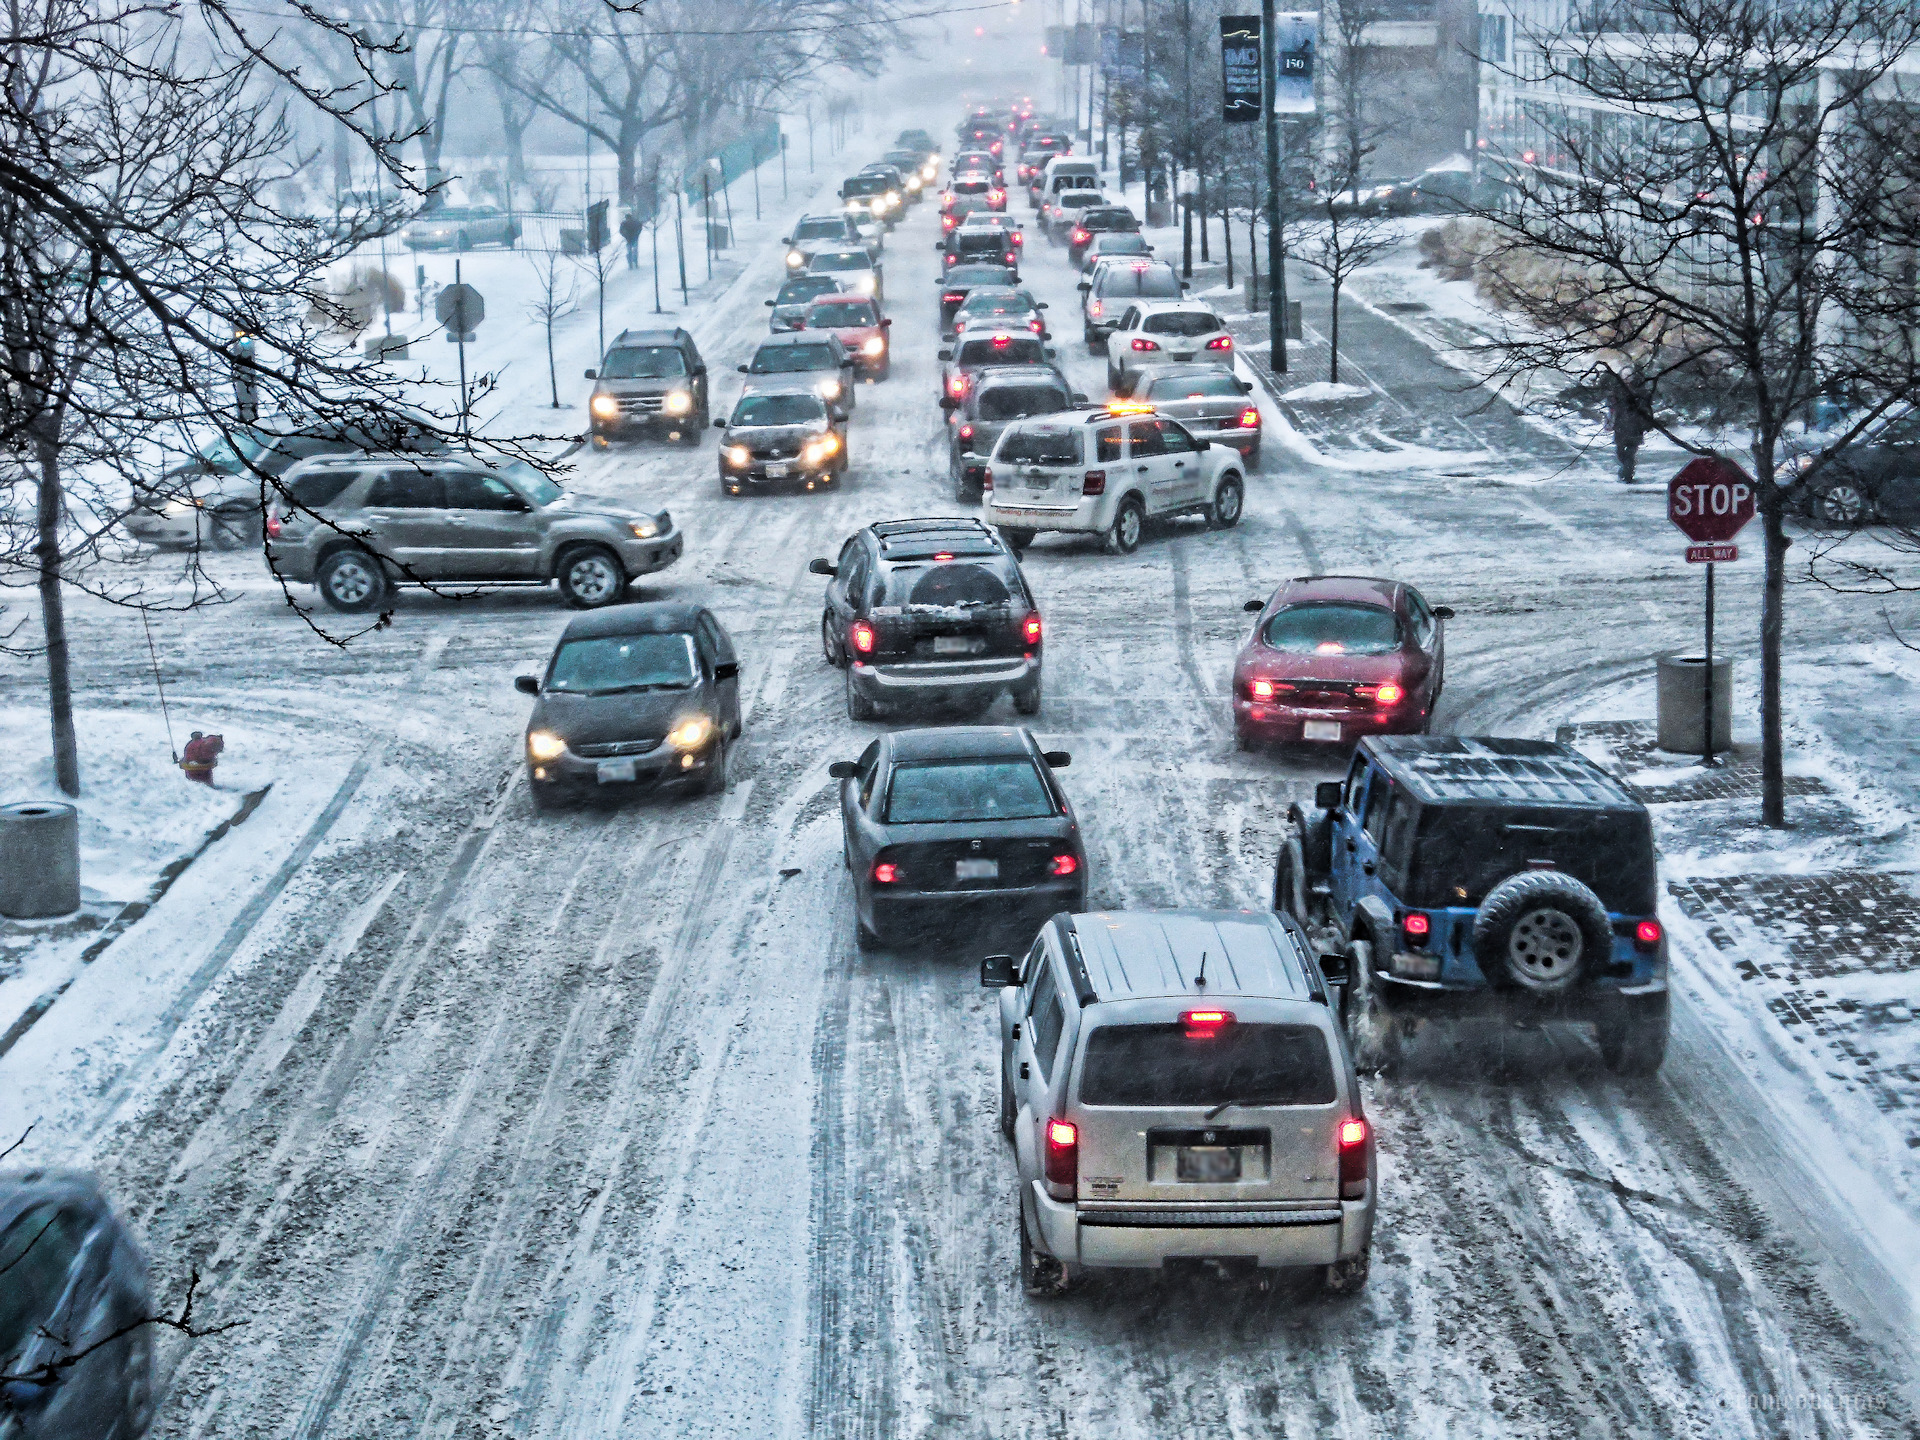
(545, 745)
(679, 402)
(913, 183)
(875, 346)
(824, 448)
(795, 259)
(868, 284)
(179, 507)
(739, 456)
(691, 733)
(828, 389)
(644, 529)
(604, 407)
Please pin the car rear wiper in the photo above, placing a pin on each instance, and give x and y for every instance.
(1247, 1100)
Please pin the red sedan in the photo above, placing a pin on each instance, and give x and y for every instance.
(1335, 657)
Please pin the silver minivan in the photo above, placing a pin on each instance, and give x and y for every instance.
(1177, 1087)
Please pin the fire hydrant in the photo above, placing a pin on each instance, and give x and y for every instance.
(201, 755)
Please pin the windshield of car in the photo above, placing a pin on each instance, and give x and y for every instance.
(1015, 402)
(778, 410)
(616, 664)
(956, 791)
(531, 483)
(843, 314)
(1333, 629)
(643, 362)
(796, 292)
(1181, 322)
(827, 228)
(866, 185)
(786, 359)
(842, 260)
(233, 452)
(1463, 851)
(1040, 445)
(1193, 387)
(1174, 1065)
(1002, 350)
(1147, 282)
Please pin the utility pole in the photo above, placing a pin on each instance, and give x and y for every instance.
(680, 241)
(1276, 240)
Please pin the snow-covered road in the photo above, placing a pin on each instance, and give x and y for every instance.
(597, 1124)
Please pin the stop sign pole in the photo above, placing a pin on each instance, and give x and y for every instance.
(1710, 500)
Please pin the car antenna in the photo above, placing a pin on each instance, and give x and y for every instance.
(1200, 980)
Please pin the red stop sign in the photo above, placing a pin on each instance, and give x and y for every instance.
(1710, 499)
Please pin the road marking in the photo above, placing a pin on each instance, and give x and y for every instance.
(1547, 517)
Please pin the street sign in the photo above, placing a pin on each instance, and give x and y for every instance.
(1710, 500)
(1712, 554)
(460, 309)
(1240, 67)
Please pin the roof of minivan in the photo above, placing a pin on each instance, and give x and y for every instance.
(1438, 769)
(1132, 954)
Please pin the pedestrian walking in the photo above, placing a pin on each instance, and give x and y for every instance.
(1628, 416)
(630, 232)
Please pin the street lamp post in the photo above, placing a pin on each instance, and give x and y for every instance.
(1276, 239)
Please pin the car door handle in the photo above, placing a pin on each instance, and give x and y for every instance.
(1350, 847)
(1179, 464)
(1142, 468)
(1367, 867)
(1023, 1070)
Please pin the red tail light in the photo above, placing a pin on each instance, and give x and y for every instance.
(957, 385)
(1646, 935)
(1206, 1019)
(1094, 483)
(1146, 345)
(273, 527)
(950, 258)
(986, 480)
(1250, 418)
(1080, 237)
(966, 432)
(1064, 865)
(1220, 342)
(861, 636)
(1000, 342)
(1018, 238)
(955, 298)
(1418, 927)
(1035, 326)
(1030, 630)
(1009, 258)
(1353, 1159)
(996, 196)
(1389, 695)
(1063, 1153)
(886, 872)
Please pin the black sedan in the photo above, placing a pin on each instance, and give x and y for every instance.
(962, 280)
(781, 437)
(71, 1281)
(957, 826)
(634, 695)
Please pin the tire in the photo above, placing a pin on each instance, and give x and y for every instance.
(136, 1375)
(351, 581)
(1041, 1276)
(715, 782)
(1348, 1276)
(1123, 536)
(591, 578)
(1224, 512)
(1290, 880)
(462, 243)
(1026, 699)
(829, 645)
(1844, 504)
(1539, 932)
(1373, 1032)
(1633, 1037)
(547, 796)
(1009, 1107)
(1017, 540)
(513, 238)
(234, 530)
(1244, 740)
(859, 707)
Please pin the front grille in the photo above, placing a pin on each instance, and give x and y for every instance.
(609, 749)
(777, 450)
(642, 404)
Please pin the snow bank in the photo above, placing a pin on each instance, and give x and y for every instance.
(1325, 390)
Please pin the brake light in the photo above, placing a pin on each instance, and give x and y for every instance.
(955, 298)
(1418, 927)
(1035, 326)
(1080, 237)
(1353, 1159)
(1063, 1153)
(1019, 238)
(1064, 865)
(950, 258)
(861, 634)
(957, 385)
(1000, 342)
(1220, 342)
(986, 479)
(1646, 935)
(1146, 344)
(1094, 483)
(1030, 630)
(886, 872)
(1009, 258)
(1389, 695)
(1261, 689)
(966, 432)
(996, 196)
(1250, 418)
(1095, 308)
(1206, 1019)
(273, 527)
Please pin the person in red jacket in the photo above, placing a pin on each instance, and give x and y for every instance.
(201, 755)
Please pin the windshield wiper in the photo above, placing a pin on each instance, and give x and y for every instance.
(633, 689)
(1245, 1100)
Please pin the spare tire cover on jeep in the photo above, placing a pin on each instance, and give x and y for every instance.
(1540, 931)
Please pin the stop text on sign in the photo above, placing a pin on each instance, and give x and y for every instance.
(1722, 498)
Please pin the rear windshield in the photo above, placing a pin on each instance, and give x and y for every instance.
(842, 260)
(643, 362)
(1121, 242)
(955, 791)
(1170, 1065)
(971, 187)
(1003, 350)
(1194, 387)
(1152, 282)
(1333, 630)
(1116, 220)
(980, 242)
(997, 300)
(779, 409)
(620, 664)
(1016, 402)
(1040, 445)
(1181, 322)
(796, 291)
(783, 359)
(829, 228)
(844, 313)
(1464, 851)
(996, 275)
(1080, 200)
(952, 584)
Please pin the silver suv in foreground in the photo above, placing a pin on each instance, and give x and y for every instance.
(1177, 1088)
(356, 526)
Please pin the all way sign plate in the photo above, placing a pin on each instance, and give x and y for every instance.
(1712, 554)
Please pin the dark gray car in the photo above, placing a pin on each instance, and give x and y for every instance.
(644, 695)
(794, 297)
(71, 1276)
(1210, 401)
(781, 437)
(995, 400)
(651, 382)
(818, 359)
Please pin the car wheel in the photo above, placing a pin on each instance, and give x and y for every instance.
(1373, 1031)
(1041, 1276)
(1123, 536)
(715, 782)
(1224, 513)
(1540, 931)
(1843, 503)
(547, 796)
(1009, 1107)
(234, 529)
(591, 577)
(352, 581)
(1346, 1277)
(1026, 699)
(1017, 539)
(136, 1371)
(865, 940)
(1633, 1038)
(1290, 880)
(859, 707)
(830, 642)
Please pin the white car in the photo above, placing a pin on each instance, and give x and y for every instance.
(1059, 212)
(1106, 473)
(1159, 332)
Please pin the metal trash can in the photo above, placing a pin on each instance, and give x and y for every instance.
(39, 859)
(573, 242)
(1681, 698)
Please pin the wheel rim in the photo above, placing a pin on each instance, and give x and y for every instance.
(1545, 946)
(826, 638)
(350, 581)
(1228, 505)
(1843, 504)
(1129, 528)
(591, 578)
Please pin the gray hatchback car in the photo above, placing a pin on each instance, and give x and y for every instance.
(357, 526)
(1177, 1087)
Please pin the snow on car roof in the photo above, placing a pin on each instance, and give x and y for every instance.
(1443, 768)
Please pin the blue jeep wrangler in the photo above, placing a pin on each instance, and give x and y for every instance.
(1481, 877)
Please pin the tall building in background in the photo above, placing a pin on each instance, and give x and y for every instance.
(1422, 92)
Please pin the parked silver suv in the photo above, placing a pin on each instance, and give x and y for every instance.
(356, 526)
(1177, 1087)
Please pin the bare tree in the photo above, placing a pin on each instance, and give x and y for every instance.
(1335, 238)
(518, 63)
(1726, 197)
(421, 48)
(555, 298)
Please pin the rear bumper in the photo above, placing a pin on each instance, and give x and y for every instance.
(936, 679)
(1278, 723)
(1595, 1000)
(1145, 1236)
(1025, 908)
(1085, 517)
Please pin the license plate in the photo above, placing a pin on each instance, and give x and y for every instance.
(1181, 354)
(614, 772)
(779, 470)
(955, 644)
(1320, 730)
(976, 869)
(1209, 1164)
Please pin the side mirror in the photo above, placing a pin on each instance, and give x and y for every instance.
(996, 972)
(721, 423)
(1334, 967)
(939, 245)
(527, 684)
(1046, 334)
(1057, 759)
(1041, 305)
(1443, 612)
(1080, 399)
(741, 368)
(1254, 607)
(843, 769)
(822, 567)
(1186, 285)
(786, 239)
(727, 670)
(1246, 387)
(700, 369)
(886, 322)
(949, 404)
(946, 354)
(767, 303)
(1326, 795)
(593, 374)
(1084, 285)
(1049, 351)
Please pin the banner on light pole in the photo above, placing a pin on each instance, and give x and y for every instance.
(1296, 39)
(1240, 68)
